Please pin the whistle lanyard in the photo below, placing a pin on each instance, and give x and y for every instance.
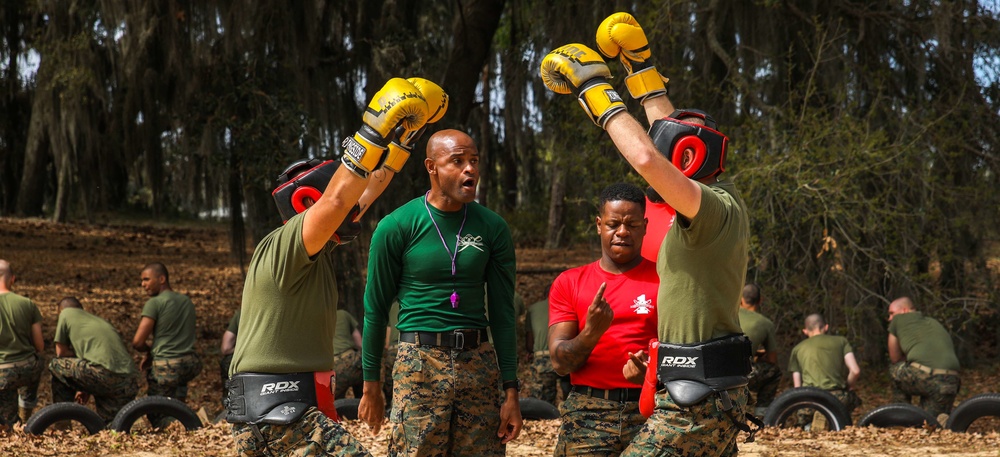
(453, 255)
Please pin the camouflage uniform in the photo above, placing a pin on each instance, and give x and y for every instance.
(347, 365)
(313, 434)
(544, 379)
(701, 430)
(937, 392)
(596, 427)
(764, 380)
(111, 390)
(19, 381)
(445, 402)
(388, 361)
(169, 377)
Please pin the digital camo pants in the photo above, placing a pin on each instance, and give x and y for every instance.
(445, 402)
(596, 427)
(937, 392)
(19, 387)
(111, 391)
(347, 365)
(544, 379)
(704, 429)
(312, 435)
(169, 377)
(763, 384)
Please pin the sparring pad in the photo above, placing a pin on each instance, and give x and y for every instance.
(269, 398)
(301, 180)
(672, 137)
(721, 363)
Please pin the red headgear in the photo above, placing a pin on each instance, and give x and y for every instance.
(301, 180)
(672, 136)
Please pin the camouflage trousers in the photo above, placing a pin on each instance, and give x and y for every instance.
(704, 429)
(169, 377)
(312, 435)
(388, 362)
(763, 384)
(596, 427)
(347, 365)
(111, 391)
(937, 392)
(544, 380)
(445, 402)
(850, 399)
(19, 387)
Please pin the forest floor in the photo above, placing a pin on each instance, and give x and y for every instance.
(100, 265)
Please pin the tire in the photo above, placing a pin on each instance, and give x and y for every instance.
(45, 417)
(792, 400)
(982, 405)
(164, 406)
(898, 415)
(347, 408)
(535, 409)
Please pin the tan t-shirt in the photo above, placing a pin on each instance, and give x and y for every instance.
(17, 315)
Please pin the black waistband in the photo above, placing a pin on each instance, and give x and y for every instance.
(456, 339)
(621, 395)
(261, 397)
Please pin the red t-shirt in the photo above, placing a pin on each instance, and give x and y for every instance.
(632, 296)
(661, 218)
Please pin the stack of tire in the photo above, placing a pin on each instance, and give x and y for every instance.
(39, 422)
(892, 415)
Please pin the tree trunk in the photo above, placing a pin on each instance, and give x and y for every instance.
(37, 157)
(475, 23)
(557, 206)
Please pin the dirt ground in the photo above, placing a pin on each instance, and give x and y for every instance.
(100, 264)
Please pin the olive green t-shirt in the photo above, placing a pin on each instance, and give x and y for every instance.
(702, 266)
(820, 359)
(924, 340)
(174, 330)
(234, 324)
(759, 329)
(93, 339)
(289, 310)
(17, 315)
(538, 322)
(343, 340)
(391, 324)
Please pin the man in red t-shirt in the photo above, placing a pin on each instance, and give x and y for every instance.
(599, 315)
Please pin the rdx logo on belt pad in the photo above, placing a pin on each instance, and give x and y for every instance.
(282, 386)
(679, 362)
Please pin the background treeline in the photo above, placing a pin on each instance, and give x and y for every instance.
(864, 133)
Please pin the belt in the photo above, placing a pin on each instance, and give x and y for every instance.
(457, 339)
(933, 371)
(161, 362)
(620, 395)
(541, 353)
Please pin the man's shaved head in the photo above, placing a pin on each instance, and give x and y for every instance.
(6, 272)
(815, 322)
(444, 141)
(69, 302)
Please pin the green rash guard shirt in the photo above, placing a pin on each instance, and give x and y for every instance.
(820, 359)
(174, 330)
(343, 340)
(702, 266)
(17, 315)
(759, 329)
(289, 308)
(538, 321)
(924, 340)
(93, 339)
(407, 261)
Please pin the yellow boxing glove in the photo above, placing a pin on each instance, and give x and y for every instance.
(398, 104)
(620, 35)
(402, 146)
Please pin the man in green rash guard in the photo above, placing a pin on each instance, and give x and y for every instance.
(435, 254)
